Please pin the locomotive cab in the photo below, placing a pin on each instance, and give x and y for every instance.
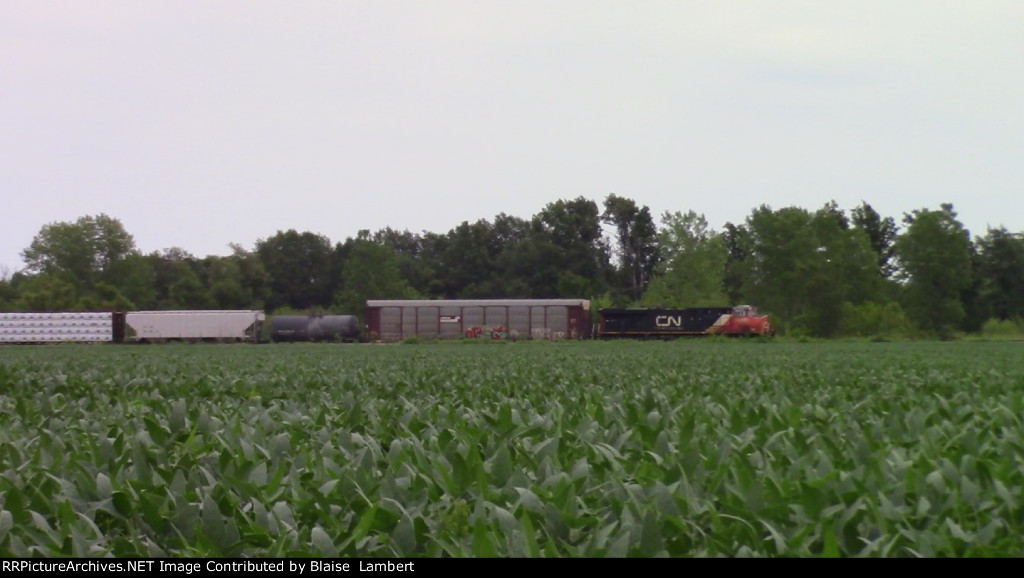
(744, 311)
(746, 321)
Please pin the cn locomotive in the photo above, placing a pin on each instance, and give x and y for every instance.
(741, 320)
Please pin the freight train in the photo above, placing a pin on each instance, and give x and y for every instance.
(388, 320)
(162, 326)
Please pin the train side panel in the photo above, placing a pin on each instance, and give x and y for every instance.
(314, 328)
(638, 323)
(242, 325)
(334, 328)
(289, 328)
(57, 327)
(549, 319)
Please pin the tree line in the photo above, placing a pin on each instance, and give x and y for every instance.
(822, 273)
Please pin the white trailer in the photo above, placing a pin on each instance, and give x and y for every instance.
(244, 325)
(45, 327)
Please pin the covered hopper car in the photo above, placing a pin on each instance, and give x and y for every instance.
(741, 320)
(189, 325)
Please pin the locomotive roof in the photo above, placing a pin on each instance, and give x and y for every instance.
(475, 302)
(639, 310)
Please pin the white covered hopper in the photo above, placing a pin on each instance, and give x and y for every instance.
(221, 325)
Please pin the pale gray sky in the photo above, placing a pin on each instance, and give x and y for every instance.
(202, 123)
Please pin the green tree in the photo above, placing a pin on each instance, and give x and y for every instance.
(845, 271)
(252, 276)
(934, 253)
(692, 270)
(417, 263)
(738, 248)
(83, 251)
(188, 292)
(8, 292)
(783, 255)
(803, 266)
(1000, 274)
(508, 242)
(106, 297)
(566, 237)
(225, 284)
(48, 292)
(637, 246)
(469, 261)
(876, 319)
(975, 313)
(176, 282)
(485, 259)
(134, 279)
(881, 234)
(237, 281)
(300, 269)
(371, 271)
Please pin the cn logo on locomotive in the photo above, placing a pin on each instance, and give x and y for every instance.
(668, 321)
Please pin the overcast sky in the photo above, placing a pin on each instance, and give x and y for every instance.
(203, 123)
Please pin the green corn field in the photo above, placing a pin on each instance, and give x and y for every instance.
(690, 448)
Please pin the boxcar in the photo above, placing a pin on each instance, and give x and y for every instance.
(394, 320)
